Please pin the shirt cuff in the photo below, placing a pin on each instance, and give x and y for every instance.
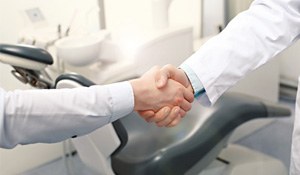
(195, 82)
(123, 99)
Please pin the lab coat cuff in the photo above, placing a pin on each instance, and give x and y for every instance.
(194, 80)
(123, 103)
(199, 91)
(203, 100)
(206, 96)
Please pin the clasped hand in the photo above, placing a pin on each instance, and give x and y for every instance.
(163, 95)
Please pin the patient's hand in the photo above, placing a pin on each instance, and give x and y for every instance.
(170, 98)
(165, 74)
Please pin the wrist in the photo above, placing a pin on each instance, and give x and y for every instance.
(136, 87)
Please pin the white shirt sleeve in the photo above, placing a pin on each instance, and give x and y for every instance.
(47, 116)
(2, 94)
(248, 41)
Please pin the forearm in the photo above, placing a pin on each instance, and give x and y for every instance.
(54, 115)
(249, 41)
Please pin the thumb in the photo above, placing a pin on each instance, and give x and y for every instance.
(171, 72)
(161, 78)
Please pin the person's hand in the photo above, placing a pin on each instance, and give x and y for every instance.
(161, 100)
(175, 114)
(170, 72)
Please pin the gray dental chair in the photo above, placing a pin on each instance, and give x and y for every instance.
(142, 148)
(29, 64)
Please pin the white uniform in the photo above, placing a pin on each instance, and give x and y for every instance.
(47, 116)
(249, 41)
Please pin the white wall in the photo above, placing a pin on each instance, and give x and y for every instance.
(236, 6)
(290, 65)
(121, 14)
(213, 17)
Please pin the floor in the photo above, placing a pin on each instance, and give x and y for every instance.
(274, 140)
(72, 166)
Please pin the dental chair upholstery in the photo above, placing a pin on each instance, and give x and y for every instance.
(190, 146)
(187, 148)
(27, 52)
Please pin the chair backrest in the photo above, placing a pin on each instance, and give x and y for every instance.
(29, 64)
(24, 56)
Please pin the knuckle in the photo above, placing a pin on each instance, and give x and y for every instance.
(178, 100)
(180, 89)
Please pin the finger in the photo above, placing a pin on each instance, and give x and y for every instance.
(146, 114)
(160, 115)
(185, 105)
(182, 113)
(188, 95)
(175, 122)
(171, 116)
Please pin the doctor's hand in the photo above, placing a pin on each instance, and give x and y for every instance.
(172, 97)
(165, 74)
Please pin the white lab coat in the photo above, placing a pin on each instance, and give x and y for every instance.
(47, 116)
(250, 40)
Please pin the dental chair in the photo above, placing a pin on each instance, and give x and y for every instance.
(29, 64)
(131, 146)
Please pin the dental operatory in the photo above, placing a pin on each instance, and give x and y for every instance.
(149, 87)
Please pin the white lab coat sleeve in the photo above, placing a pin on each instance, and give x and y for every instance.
(249, 40)
(48, 116)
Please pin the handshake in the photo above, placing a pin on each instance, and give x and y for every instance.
(163, 95)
